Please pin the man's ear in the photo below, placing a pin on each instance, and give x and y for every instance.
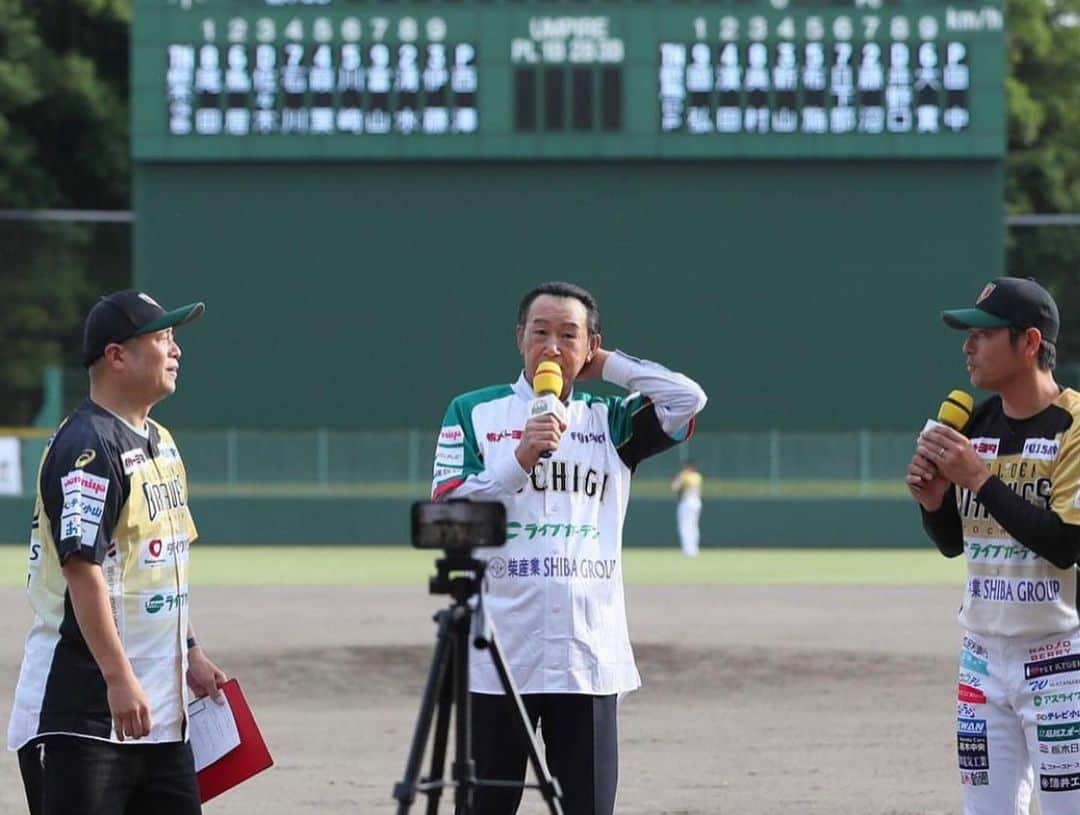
(112, 354)
(519, 333)
(1034, 337)
(594, 346)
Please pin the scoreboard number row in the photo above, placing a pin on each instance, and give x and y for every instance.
(323, 29)
(842, 27)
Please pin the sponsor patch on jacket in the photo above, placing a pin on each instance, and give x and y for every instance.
(132, 460)
(1058, 732)
(1015, 590)
(1047, 667)
(986, 448)
(158, 552)
(162, 603)
(971, 727)
(973, 752)
(974, 696)
(167, 451)
(450, 456)
(83, 496)
(451, 434)
(1040, 449)
(446, 472)
(972, 663)
(1059, 783)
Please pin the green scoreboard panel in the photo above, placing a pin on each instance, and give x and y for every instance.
(774, 196)
(496, 79)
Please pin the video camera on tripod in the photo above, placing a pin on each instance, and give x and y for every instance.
(458, 527)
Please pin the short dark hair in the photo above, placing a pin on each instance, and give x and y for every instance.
(1047, 359)
(557, 288)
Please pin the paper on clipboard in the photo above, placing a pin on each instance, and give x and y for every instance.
(212, 729)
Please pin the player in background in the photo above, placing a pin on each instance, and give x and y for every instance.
(1005, 494)
(555, 590)
(100, 713)
(687, 487)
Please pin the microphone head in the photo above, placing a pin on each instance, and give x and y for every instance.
(956, 409)
(548, 378)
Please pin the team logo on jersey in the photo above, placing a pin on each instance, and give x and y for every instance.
(132, 460)
(84, 458)
(1040, 449)
(986, 448)
(164, 496)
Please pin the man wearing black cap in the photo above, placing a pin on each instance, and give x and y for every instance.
(1006, 494)
(100, 713)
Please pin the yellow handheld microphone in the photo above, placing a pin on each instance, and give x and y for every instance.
(548, 385)
(955, 411)
(548, 379)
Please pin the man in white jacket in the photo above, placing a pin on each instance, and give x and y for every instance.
(555, 590)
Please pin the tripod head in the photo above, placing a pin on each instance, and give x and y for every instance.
(457, 527)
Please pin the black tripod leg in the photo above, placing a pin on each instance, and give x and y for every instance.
(549, 787)
(442, 732)
(405, 790)
(464, 765)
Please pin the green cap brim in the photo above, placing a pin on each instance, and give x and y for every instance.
(172, 319)
(972, 318)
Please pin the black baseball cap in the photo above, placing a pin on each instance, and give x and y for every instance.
(125, 314)
(1019, 302)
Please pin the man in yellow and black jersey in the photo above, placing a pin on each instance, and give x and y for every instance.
(100, 713)
(1006, 494)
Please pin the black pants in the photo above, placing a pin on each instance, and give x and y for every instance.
(67, 775)
(581, 748)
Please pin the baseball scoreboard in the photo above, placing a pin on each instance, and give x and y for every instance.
(498, 79)
(774, 196)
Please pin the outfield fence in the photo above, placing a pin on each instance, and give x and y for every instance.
(399, 463)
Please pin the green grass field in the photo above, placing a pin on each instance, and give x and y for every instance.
(379, 565)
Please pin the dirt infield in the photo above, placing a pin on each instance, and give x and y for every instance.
(757, 700)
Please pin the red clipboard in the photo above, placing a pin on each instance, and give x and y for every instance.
(242, 762)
